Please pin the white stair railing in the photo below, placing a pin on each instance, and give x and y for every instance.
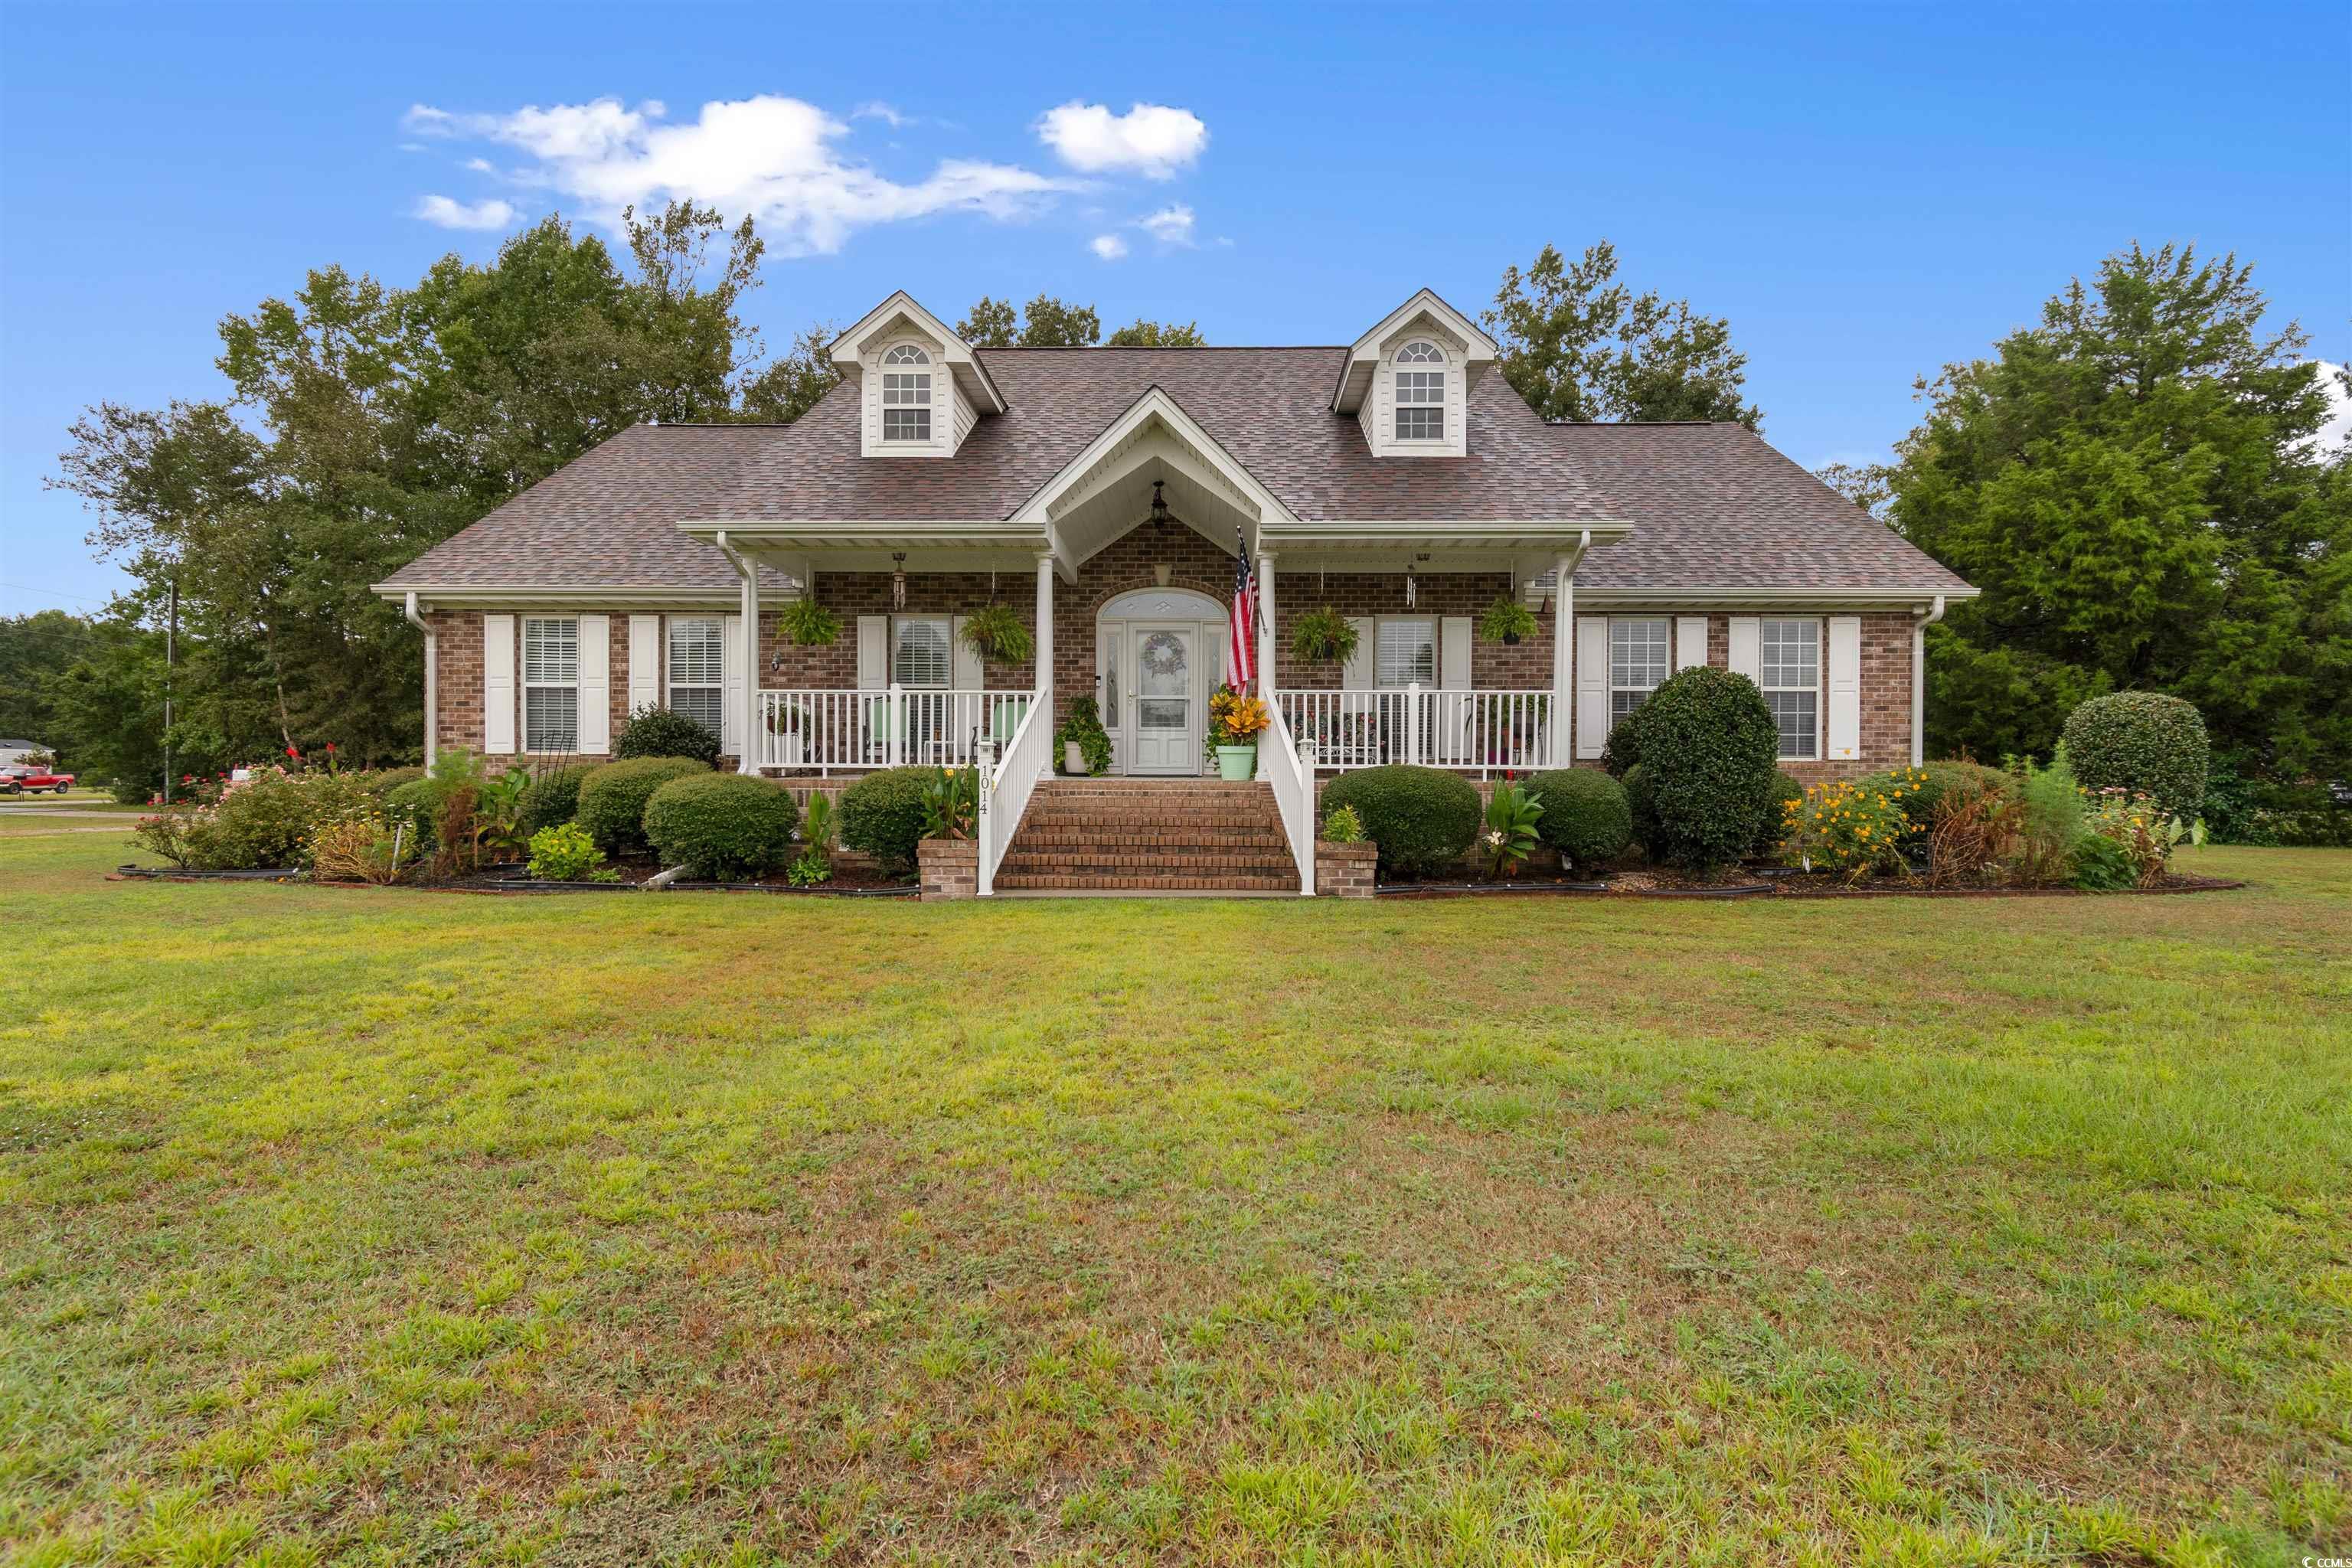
(1006, 789)
(1293, 779)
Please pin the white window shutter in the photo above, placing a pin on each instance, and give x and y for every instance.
(498, 685)
(1690, 641)
(1357, 674)
(1591, 685)
(968, 674)
(1843, 677)
(644, 661)
(1454, 653)
(1748, 646)
(873, 652)
(595, 683)
(731, 686)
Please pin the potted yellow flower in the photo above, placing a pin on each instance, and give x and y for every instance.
(1235, 718)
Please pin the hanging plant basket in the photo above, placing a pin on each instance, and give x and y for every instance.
(1507, 620)
(808, 624)
(993, 631)
(1323, 637)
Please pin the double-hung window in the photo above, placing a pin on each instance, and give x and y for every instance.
(921, 651)
(906, 395)
(1419, 393)
(551, 684)
(1792, 679)
(1637, 662)
(697, 667)
(1406, 653)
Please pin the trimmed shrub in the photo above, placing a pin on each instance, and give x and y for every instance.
(131, 791)
(720, 826)
(1586, 814)
(654, 732)
(1786, 792)
(1422, 819)
(1642, 805)
(268, 821)
(883, 814)
(552, 799)
(383, 781)
(612, 798)
(1709, 750)
(2141, 741)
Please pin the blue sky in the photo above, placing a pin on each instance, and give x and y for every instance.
(1866, 192)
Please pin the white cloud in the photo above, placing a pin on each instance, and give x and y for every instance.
(875, 108)
(1171, 224)
(448, 213)
(1110, 247)
(1149, 139)
(480, 166)
(2338, 428)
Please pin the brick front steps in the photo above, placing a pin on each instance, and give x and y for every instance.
(1150, 835)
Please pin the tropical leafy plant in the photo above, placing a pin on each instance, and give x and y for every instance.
(1085, 726)
(808, 622)
(1323, 637)
(1510, 836)
(951, 803)
(1507, 620)
(993, 631)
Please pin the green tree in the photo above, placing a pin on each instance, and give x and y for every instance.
(792, 386)
(991, 324)
(2133, 485)
(1046, 323)
(33, 649)
(1578, 344)
(1143, 334)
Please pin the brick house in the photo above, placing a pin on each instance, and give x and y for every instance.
(1108, 497)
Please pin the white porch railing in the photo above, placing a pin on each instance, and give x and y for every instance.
(1005, 788)
(1280, 763)
(827, 728)
(1481, 731)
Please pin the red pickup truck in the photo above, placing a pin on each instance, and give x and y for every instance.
(33, 780)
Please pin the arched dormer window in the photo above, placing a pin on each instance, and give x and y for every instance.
(1420, 392)
(906, 394)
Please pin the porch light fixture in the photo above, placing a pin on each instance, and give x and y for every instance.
(1158, 504)
(898, 580)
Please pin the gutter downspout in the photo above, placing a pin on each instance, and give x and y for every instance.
(748, 721)
(431, 681)
(1919, 625)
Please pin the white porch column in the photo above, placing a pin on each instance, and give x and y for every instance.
(752, 730)
(1044, 640)
(1265, 628)
(1563, 649)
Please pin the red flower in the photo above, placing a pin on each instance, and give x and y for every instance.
(331, 745)
(187, 778)
(295, 754)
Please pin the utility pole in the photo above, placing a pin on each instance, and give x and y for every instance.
(171, 654)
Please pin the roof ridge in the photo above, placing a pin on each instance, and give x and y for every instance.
(1161, 348)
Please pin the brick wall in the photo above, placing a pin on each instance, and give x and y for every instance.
(1346, 870)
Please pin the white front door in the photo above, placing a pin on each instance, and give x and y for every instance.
(1163, 675)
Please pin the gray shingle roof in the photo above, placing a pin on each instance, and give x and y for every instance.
(1714, 506)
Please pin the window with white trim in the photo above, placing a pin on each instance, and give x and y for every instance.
(698, 664)
(922, 650)
(1637, 662)
(551, 684)
(906, 395)
(1419, 393)
(1791, 674)
(1406, 653)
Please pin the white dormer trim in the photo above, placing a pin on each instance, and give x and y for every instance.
(1458, 333)
(961, 388)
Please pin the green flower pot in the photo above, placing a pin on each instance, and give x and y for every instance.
(1236, 764)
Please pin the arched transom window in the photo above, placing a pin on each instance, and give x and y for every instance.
(1420, 392)
(906, 394)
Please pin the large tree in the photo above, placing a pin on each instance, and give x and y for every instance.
(1142, 335)
(1578, 344)
(33, 648)
(1045, 322)
(2135, 485)
(366, 424)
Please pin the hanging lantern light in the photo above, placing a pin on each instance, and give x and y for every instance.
(899, 581)
(1158, 505)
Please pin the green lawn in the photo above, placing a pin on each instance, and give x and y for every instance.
(343, 1227)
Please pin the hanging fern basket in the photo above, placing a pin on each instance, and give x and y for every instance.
(993, 631)
(1507, 620)
(808, 624)
(1323, 637)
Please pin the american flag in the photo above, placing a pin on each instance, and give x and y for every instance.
(1241, 659)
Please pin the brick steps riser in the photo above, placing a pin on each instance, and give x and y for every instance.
(1148, 866)
(1146, 884)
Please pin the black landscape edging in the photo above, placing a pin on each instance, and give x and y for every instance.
(185, 874)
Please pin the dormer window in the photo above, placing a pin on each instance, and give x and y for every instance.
(906, 394)
(1420, 392)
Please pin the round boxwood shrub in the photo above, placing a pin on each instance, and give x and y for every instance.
(1585, 814)
(552, 799)
(612, 798)
(1709, 752)
(720, 826)
(651, 731)
(1422, 819)
(2141, 741)
(1775, 829)
(883, 815)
